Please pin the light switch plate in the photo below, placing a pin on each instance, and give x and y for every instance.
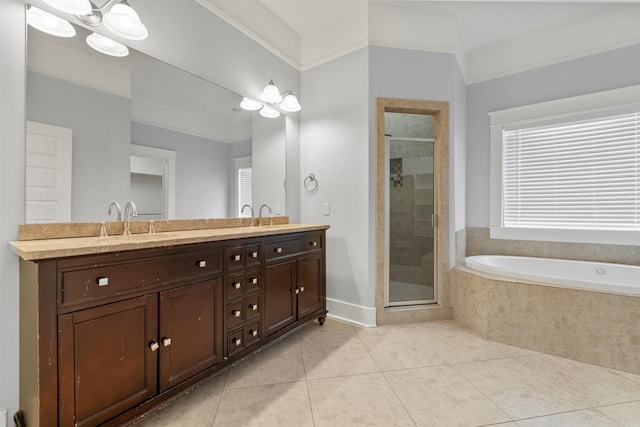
(326, 209)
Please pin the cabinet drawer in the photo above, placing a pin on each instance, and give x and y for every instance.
(285, 248)
(235, 341)
(234, 258)
(235, 284)
(253, 255)
(253, 307)
(235, 314)
(253, 281)
(93, 284)
(253, 333)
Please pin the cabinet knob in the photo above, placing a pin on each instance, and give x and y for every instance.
(154, 346)
(254, 281)
(103, 281)
(166, 342)
(237, 285)
(236, 258)
(313, 243)
(253, 332)
(237, 341)
(254, 254)
(278, 250)
(253, 307)
(236, 313)
(202, 264)
(301, 288)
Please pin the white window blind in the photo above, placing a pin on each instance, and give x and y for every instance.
(581, 175)
(244, 190)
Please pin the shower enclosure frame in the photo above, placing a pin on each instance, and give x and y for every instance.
(441, 309)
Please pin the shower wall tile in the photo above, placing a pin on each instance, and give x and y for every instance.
(526, 316)
(595, 323)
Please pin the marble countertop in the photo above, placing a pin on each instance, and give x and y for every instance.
(32, 250)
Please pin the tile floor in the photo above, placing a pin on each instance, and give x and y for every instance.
(423, 374)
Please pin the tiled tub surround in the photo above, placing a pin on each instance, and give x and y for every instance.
(588, 326)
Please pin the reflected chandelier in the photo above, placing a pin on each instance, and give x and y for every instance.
(271, 96)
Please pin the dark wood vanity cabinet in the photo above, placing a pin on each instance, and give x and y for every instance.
(118, 333)
(294, 282)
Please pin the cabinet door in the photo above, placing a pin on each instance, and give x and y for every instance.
(310, 289)
(106, 364)
(190, 331)
(279, 296)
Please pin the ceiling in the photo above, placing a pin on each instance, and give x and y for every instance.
(480, 23)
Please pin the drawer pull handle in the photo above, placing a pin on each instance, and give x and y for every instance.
(236, 258)
(166, 342)
(103, 281)
(236, 313)
(202, 264)
(253, 332)
(237, 341)
(278, 250)
(254, 254)
(254, 281)
(237, 285)
(313, 243)
(253, 307)
(154, 346)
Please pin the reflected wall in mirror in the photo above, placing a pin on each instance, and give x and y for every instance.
(111, 103)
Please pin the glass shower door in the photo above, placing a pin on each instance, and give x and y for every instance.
(410, 210)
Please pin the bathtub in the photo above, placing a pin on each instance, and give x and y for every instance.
(595, 276)
(586, 311)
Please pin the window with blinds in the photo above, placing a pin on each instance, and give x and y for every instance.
(244, 190)
(579, 175)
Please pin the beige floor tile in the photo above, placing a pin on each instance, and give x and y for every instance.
(592, 384)
(335, 357)
(401, 351)
(462, 346)
(626, 414)
(517, 390)
(196, 408)
(440, 396)
(359, 400)
(332, 328)
(585, 418)
(277, 405)
(281, 362)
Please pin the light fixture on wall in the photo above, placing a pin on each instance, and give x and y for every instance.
(107, 46)
(121, 20)
(49, 23)
(271, 98)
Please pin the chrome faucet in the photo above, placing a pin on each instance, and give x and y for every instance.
(118, 210)
(129, 211)
(251, 209)
(264, 205)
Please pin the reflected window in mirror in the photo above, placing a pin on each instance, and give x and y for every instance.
(244, 189)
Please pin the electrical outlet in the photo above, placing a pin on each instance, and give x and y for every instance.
(276, 211)
(326, 209)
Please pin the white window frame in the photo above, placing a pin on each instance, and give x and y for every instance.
(563, 110)
(240, 163)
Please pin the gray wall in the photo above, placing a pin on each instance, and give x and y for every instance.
(603, 71)
(12, 199)
(101, 148)
(202, 170)
(335, 131)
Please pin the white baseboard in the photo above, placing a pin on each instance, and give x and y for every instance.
(358, 314)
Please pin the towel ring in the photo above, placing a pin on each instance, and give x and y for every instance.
(311, 183)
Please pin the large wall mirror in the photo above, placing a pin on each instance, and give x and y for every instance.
(115, 108)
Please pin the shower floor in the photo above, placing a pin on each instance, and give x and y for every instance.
(405, 292)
